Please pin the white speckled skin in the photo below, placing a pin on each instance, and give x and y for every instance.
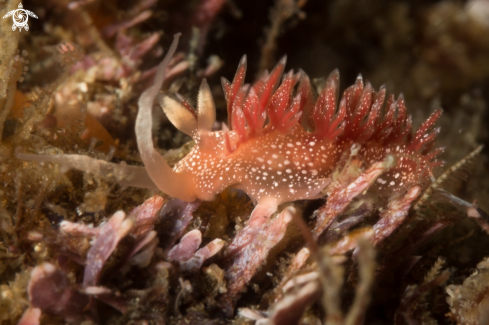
(286, 167)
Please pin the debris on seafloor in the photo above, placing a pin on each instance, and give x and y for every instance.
(468, 301)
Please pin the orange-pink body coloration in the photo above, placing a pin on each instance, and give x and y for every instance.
(282, 162)
(284, 143)
(293, 166)
(286, 167)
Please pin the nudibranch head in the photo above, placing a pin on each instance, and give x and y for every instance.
(285, 142)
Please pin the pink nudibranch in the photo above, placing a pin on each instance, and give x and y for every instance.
(283, 160)
(284, 143)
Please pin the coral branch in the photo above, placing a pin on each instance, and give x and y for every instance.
(50, 290)
(252, 256)
(109, 236)
(187, 246)
(195, 262)
(394, 215)
(341, 197)
(30, 317)
(174, 218)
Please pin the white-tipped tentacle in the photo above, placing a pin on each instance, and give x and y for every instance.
(178, 115)
(158, 169)
(206, 108)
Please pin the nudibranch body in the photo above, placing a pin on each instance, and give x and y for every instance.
(282, 167)
(285, 145)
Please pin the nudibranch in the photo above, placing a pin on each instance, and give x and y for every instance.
(286, 143)
(283, 144)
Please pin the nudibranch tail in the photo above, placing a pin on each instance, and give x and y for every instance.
(158, 169)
